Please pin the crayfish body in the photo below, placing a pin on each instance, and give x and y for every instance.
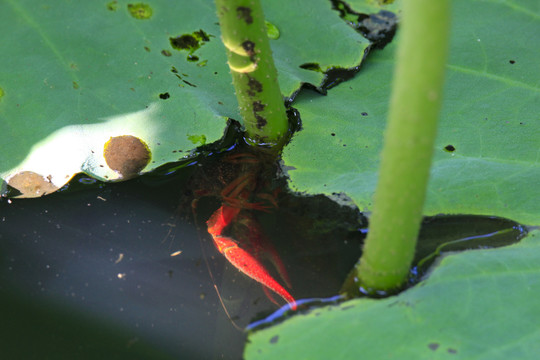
(238, 182)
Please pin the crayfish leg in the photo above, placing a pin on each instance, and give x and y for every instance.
(220, 219)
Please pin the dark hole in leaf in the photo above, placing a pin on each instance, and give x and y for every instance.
(333, 134)
(311, 66)
(274, 339)
(434, 238)
(184, 42)
(512, 62)
(190, 84)
(364, 114)
(190, 42)
(335, 76)
(164, 96)
(449, 148)
(201, 35)
(433, 346)
(166, 53)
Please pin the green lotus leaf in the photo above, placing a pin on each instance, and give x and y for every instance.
(152, 71)
(486, 153)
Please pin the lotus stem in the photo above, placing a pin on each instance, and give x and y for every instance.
(254, 74)
(408, 147)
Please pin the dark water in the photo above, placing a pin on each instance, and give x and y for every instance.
(88, 272)
(103, 256)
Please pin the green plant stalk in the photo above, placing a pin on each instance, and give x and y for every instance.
(408, 146)
(254, 74)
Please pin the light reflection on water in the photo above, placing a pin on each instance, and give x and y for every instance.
(285, 311)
